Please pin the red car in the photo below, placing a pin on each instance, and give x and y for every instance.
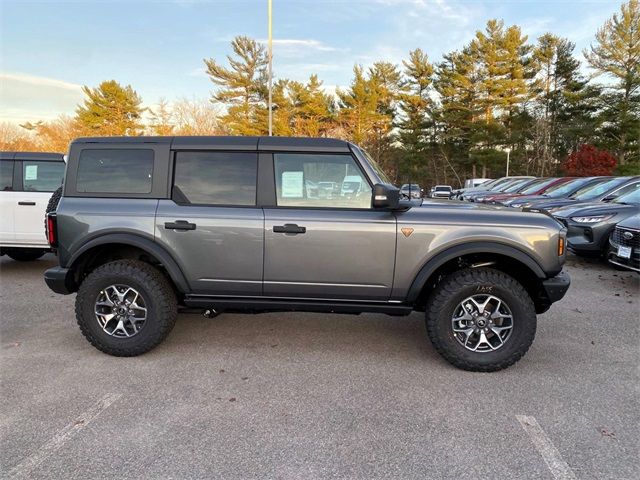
(535, 188)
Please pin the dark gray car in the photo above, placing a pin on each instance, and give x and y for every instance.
(150, 225)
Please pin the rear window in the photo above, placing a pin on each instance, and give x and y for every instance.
(6, 175)
(115, 171)
(42, 176)
(216, 178)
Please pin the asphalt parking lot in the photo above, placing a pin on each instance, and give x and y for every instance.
(304, 396)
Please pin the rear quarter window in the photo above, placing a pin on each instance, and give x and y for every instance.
(115, 171)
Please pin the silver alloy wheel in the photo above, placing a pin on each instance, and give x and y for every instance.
(482, 323)
(120, 311)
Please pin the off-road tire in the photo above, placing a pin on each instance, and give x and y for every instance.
(159, 297)
(24, 254)
(452, 290)
(52, 206)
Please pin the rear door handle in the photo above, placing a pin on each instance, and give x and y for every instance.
(27, 203)
(289, 228)
(180, 225)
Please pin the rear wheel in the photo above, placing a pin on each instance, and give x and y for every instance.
(481, 320)
(24, 254)
(126, 308)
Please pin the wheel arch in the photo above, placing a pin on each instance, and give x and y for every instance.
(107, 247)
(511, 260)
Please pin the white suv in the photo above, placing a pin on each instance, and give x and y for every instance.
(27, 180)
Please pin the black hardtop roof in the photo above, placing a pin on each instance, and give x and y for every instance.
(229, 143)
(43, 156)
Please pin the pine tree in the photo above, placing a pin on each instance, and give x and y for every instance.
(242, 87)
(161, 119)
(414, 124)
(110, 109)
(616, 54)
(313, 108)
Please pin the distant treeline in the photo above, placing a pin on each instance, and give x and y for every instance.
(431, 122)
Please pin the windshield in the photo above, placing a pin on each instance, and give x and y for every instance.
(376, 167)
(414, 186)
(517, 185)
(592, 191)
(538, 185)
(632, 197)
(563, 189)
(442, 189)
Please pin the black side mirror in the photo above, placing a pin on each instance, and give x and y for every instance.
(608, 198)
(386, 196)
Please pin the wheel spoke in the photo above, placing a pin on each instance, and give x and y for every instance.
(482, 323)
(123, 306)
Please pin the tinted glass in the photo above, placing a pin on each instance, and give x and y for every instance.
(314, 180)
(593, 191)
(115, 171)
(562, 189)
(534, 187)
(628, 194)
(42, 176)
(216, 178)
(6, 175)
(517, 186)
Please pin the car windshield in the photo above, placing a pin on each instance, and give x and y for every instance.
(517, 185)
(592, 191)
(414, 186)
(376, 166)
(632, 197)
(537, 186)
(443, 189)
(563, 189)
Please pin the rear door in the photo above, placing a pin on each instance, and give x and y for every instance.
(40, 179)
(212, 224)
(320, 245)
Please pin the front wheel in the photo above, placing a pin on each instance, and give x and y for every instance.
(481, 320)
(126, 308)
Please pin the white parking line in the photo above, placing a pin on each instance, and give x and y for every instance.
(550, 454)
(24, 468)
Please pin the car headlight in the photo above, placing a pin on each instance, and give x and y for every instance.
(591, 218)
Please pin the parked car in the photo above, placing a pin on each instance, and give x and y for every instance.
(146, 225)
(440, 191)
(513, 186)
(563, 190)
(414, 192)
(461, 192)
(624, 244)
(598, 192)
(27, 180)
(537, 187)
(589, 225)
(475, 182)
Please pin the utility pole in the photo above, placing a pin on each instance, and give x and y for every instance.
(508, 152)
(271, 71)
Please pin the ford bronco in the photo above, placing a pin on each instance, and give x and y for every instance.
(146, 226)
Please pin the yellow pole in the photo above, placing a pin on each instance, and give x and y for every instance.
(270, 70)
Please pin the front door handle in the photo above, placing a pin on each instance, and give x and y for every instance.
(289, 228)
(180, 225)
(27, 203)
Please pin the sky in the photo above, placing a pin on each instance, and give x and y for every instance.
(50, 49)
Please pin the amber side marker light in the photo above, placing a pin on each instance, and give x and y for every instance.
(561, 247)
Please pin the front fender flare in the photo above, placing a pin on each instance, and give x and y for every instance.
(465, 249)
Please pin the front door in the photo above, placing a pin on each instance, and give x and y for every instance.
(323, 240)
(212, 224)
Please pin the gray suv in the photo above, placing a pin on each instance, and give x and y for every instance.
(147, 226)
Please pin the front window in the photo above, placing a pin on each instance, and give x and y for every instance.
(316, 180)
(376, 166)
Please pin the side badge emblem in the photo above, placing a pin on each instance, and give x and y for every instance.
(406, 231)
